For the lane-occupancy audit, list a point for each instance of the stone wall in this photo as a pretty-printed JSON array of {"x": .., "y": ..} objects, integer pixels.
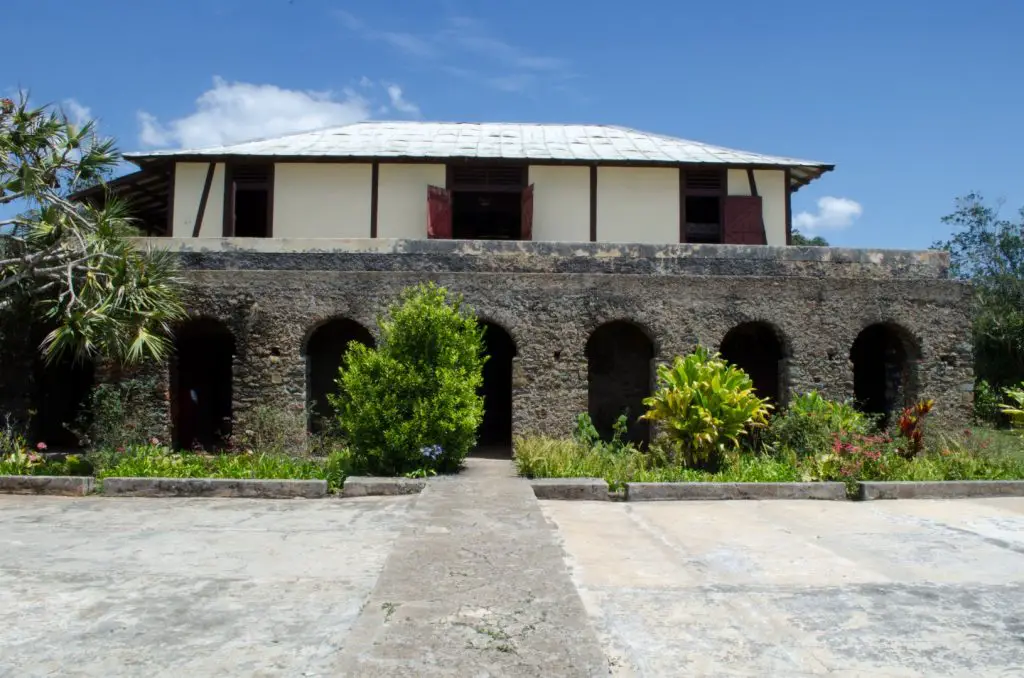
[{"x": 550, "y": 297}]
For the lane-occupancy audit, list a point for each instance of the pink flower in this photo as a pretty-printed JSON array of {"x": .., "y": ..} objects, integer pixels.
[
  {"x": 154, "y": 441},
  {"x": 40, "y": 446}
]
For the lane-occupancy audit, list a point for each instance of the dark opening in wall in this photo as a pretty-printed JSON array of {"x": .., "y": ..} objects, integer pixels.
[
  {"x": 486, "y": 216},
  {"x": 325, "y": 351},
  {"x": 201, "y": 384},
  {"x": 702, "y": 192},
  {"x": 755, "y": 348},
  {"x": 884, "y": 360},
  {"x": 248, "y": 207},
  {"x": 619, "y": 356},
  {"x": 496, "y": 428},
  {"x": 60, "y": 401}
]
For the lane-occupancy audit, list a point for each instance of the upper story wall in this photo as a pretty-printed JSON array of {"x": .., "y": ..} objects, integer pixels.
[{"x": 389, "y": 200}]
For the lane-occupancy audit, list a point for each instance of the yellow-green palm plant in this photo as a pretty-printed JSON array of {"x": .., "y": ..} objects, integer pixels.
[
  {"x": 705, "y": 406},
  {"x": 1015, "y": 409}
]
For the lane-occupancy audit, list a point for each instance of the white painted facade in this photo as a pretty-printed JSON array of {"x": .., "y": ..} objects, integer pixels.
[
  {"x": 637, "y": 204},
  {"x": 771, "y": 186},
  {"x": 322, "y": 200},
  {"x": 561, "y": 203},
  {"x": 402, "y": 198},
  {"x": 333, "y": 200},
  {"x": 189, "y": 179}
]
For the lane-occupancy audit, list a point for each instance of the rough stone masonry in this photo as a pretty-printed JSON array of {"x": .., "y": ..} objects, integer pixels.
[{"x": 551, "y": 298}]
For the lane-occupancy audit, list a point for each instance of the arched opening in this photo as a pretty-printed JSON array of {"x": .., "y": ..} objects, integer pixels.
[
  {"x": 60, "y": 400},
  {"x": 619, "y": 356},
  {"x": 756, "y": 349},
  {"x": 495, "y": 432},
  {"x": 200, "y": 378},
  {"x": 883, "y": 357},
  {"x": 325, "y": 351}
]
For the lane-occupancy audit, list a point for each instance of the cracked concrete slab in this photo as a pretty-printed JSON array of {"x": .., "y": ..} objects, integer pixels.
[{"x": 787, "y": 588}]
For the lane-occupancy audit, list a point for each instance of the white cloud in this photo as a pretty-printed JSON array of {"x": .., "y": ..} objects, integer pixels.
[
  {"x": 399, "y": 103},
  {"x": 833, "y": 214},
  {"x": 230, "y": 112},
  {"x": 76, "y": 112}
]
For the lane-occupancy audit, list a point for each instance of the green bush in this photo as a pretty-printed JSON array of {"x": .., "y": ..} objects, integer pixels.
[
  {"x": 986, "y": 404},
  {"x": 271, "y": 430},
  {"x": 587, "y": 435},
  {"x": 122, "y": 413},
  {"x": 1014, "y": 407},
  {"x": 705, "y": 406},
  {"x": 810, "y": 424},
  {"x": 417, "y": 390}
]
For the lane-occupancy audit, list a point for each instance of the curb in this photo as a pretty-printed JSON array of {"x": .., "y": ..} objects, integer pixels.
[
  {"x": 571, "y": 489},
  {"x": 214, "y": 487},
  {"x": 728, "y": 491},
  {"x": 940, "y": 489},
  {"x": 372, "y": 486},
  {"x": 68, "y": 486}
]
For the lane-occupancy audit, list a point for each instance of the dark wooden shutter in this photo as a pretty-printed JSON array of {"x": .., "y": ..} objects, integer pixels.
[
  {"x": 439, "y": 212},
  {"x": 742, "y": 221},
  {"x": 526, "y": 233}
]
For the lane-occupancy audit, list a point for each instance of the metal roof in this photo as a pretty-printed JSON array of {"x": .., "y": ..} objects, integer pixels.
[{"x": 493, "y": 141}]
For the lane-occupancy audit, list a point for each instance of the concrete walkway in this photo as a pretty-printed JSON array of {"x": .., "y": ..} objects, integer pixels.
[{"x": 475, "y": 586}]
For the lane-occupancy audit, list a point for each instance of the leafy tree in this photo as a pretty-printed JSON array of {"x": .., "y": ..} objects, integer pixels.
[
  {"x": 989, "y": 251},
  {"x": 67, "y": 264},
  {"x": 801, "y": 239}
]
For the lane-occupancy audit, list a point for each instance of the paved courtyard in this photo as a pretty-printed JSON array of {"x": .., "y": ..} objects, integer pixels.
[{"x": 476, "y": 578}]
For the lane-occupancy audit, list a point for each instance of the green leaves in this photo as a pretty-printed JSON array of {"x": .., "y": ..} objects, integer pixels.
[
  {"x": 417, "y": 389},
  {"x": 70, "y": 263},
  {"x": 705, "y": 406}
]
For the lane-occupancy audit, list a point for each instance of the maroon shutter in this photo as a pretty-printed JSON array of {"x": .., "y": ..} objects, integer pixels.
[
  {"x": 526, "y": 232},
  {"x": 439, "y": 212},
  {"x": 742, "y": 223}
]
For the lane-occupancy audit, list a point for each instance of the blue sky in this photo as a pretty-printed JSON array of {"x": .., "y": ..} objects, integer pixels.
[{"x": 916, "y": 103}]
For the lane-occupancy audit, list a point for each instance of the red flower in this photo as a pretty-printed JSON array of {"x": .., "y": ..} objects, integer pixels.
[{"x": 40, "y": 446}]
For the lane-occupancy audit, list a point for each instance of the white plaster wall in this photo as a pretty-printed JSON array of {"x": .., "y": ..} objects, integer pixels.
[
  {"x": 402, "y": 198},
  {"x": 561, "y": 203},
  {"x": 771, "y": 186},
  {"x": 189, "y": 178},
  {"x": 321, "y": 200},
  {"x": 637, "y": 204}
]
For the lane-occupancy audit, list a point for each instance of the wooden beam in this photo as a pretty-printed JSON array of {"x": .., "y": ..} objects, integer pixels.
[
  {"x": 752, "y": 182},
  {"x": 593, "y": 203},
  {"x": 789, "y": 210},
  {"x": 203, "y": 199},
  {"x": 374, "y": 197}
]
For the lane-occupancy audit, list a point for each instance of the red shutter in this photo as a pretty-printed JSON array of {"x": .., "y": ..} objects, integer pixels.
[
  {"x": 743, "y": 222},
  {"x": 526, "y": 232},
  {"x": 439, "y": 212}
]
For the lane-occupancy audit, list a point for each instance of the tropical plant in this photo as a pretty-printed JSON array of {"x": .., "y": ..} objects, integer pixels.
[
  {"x": 911, "y": 427},
  {"x": 810, "y": 423},
  {"x": 122, "y": 413},
  {"x": 415, "y": 390},
  {"x": 1014, "y": 409},
  {"x": 705, "y": 406},
  {"x": 587, "y": 435},
  {"x": 986, "y": 404},
  {"x": 68, "y": 265}
]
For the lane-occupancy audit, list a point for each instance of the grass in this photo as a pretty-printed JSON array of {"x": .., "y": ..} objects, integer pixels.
[
  {"x": 159, "y": 462},
  {"x": 982, "y": 454}
]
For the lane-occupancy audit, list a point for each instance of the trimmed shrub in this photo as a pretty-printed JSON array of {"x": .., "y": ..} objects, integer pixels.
[
  {"x": 417, "y": 390},
  {"x": 705, "y": 406}
]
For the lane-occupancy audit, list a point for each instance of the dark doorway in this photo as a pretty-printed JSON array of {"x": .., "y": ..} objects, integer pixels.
[
  {"x": 325, "y": 351},
  {"x": 478, "y": 215},
  {"x": 495, "y": 432},
  {"x": 201, "y": 388},
  {"x": 883, "y": 376},
  {"x": 60, "y": 401},
  {"x": 619, "y": 356},
  {"x": 756, "y": 349}
]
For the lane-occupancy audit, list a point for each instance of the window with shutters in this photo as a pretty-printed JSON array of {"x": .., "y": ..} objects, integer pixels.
[
  {"x": 702, "y": 193},
  {"x": 248, "y": 203},
  {"x": 490, "y": 202}
]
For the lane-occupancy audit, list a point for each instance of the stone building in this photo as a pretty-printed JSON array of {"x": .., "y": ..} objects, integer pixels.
[{"x": 592, "y": 253}]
